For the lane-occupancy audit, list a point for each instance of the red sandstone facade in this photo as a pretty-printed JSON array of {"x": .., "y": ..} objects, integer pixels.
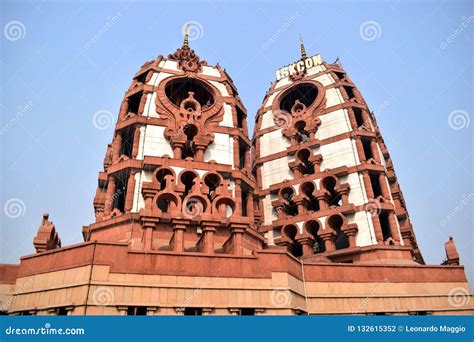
[{"x": 189, "y": 221}]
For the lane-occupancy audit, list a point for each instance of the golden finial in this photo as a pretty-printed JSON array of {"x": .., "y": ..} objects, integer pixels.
[
  {"x": 303, "y": 50},
  {"x": 186, "y": 41}
]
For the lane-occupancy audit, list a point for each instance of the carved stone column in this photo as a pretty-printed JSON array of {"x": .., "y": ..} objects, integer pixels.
[
  {"x": 367, "y": 184},
  {"x": 117, "y": 143},
  {"x": 136, "y": 141},
  {"x": 392, "y": 221},
  {"x": 179, "y": 227},
  {"x": 377, "y": 229},
  {"x": 109, "y": 202},
  {"x": 328, "y": 236},
  {"x": 130, "y": 191},
  {"x": 307, "y": 244}
]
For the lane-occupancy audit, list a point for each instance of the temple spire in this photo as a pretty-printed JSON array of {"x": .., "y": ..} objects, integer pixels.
[
  {"x": 303, "y": 50},
  {"x": 186, "y": 39}
]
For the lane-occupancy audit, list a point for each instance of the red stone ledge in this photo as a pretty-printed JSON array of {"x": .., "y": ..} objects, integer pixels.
[
  {"x": 8, "y": 273},
  {"x": 262, "y": 264}
]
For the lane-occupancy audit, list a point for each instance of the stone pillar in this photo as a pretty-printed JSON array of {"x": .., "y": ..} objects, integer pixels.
[
  {"x": 250, "y": 208},
  {"x": 116, "y": 146},
  {"x": 237, "y": 231},
  {"x": 238, "y": 198},
  {"x": 122, "y": 310},
  {"x": 375, "y": 150},
  {"x": 247, "y": 157},
  {"x": 177, "y": 150},
  {"x": 136, "y": 141},
  {"x": 199, "y": 155},
  {"x": 360, "y": 149},
  {"x": 377, "y": 229},
  {"x": 143, "y": 100},
  {"x": 179, "y": 227},
  {"x": 392, "y": 221},
  {"x": 207, "y": 311},
  {"x": 109, "y": 203},
  {"x": 179, "y": 311},
  {"x": 236, "y": 152},
  {"x": 307, "y": 245},
  {"x": 384, "y": 186},
  {"x": 368, "y": 184},
  {"x": 352, "y": 119},
  {"x": 351, "y": 231},
  {"x": 130, "y": 191},
  {"x": 209, "y": 228},
  {"x": 328, "y": 236}
]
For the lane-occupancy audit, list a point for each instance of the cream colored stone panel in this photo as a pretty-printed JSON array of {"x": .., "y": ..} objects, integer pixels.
[
  {"x": 275, "y": 171},
  {"x": 221, "y": 150},
  {"x": 268, "y": 213},
  {"x": 169, "y": 64},
  {"x": 339, "y": 153},
  {"x": 150, "y": 106},
  {"x": 271, "y": 98},
  {"x": 267, "y": 120},
  {"x": 158, "y": 77},
  {"x": 333, "y": 97},
  {"x": 153, "y": 143},
  {"x": 333, "y": 124},
  {"x": 220, "y": 87},
  {"x": 227, "y": 120},
  {"x": 210, "y": 71},
  {"x": 272, "y": 143}
]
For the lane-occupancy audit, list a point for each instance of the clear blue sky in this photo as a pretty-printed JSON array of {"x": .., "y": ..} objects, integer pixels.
[{"x": 414, "y": 71}]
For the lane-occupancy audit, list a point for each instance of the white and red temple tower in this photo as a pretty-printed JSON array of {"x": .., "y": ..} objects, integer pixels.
[
  {"x": 326, "y": 181},
  {"x": 193, "y": 218}
]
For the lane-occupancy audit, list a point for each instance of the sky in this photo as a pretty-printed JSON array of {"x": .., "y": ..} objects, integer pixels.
[{"x": 65, "y": 67}]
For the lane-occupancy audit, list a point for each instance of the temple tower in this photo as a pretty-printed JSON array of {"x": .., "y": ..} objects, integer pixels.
[
  {"x": 177, "y": 173},
  {"x": 327, "y": 187}
]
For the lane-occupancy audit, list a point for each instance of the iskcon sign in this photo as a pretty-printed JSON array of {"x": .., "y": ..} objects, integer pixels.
[{"x": 299, "y": 66}]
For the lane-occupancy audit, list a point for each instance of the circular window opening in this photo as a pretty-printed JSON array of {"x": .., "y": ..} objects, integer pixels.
[
  {"x": 179, "y": 89},
  {"x": 306, "y": 93}
]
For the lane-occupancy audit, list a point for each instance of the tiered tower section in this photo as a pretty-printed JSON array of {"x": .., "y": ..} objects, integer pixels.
[
  {"x": 177, "y": 174},
  {"x": 327, "y": 187}
]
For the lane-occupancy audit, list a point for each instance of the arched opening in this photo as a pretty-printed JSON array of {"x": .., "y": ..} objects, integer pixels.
[
  {"x": 178, "y": 89},
  {"x": 189, "y": 147},
  {"x": 187, "y": 179},
  {"x": 165, "y": 202},
  {"x": 312, "y": 227},
  {"x": 311, "y": 203},
  {"x": 212, "y": 181},
  {"x": 335, "y": 222},
  {"x": 303, "y": 156},
  {"x": 329, "y": 183},
  {"x": 290, "y": 232},
  {"x": 301, "y": 133},
  {"x": 289, "y": 206},
  {"x": 161, "y": 177},
  {"x": 306, "y": 93}
]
